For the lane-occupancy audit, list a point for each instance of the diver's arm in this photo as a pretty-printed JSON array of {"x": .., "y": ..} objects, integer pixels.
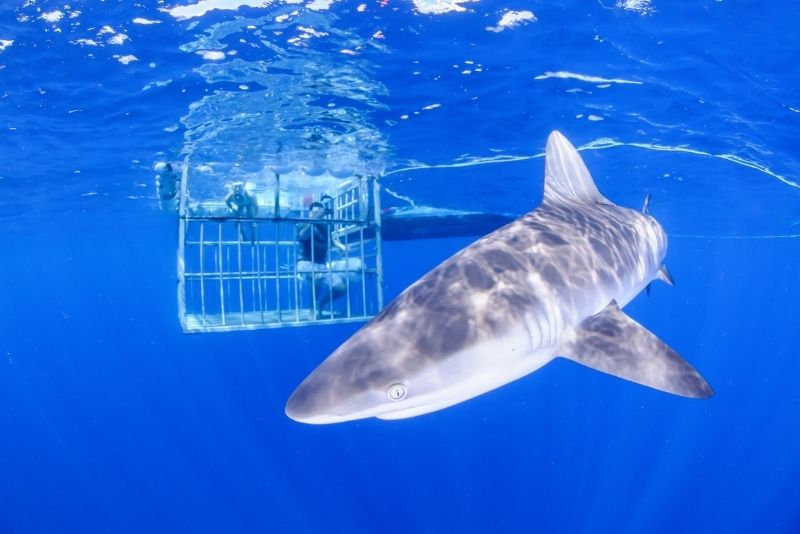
[
  {"x": 338, "y": 244},
  {"x": 303, "y": 232}
]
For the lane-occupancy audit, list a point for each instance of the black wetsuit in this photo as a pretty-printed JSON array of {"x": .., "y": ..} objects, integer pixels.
[{"x": 313, "y": 236}]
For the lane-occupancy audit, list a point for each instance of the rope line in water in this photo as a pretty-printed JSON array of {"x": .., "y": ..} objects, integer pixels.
[
  {"x": 605, "y": 143},
  {"x": 602, "y": 144},
  {"x": 400, "y": 197},
  {"x": 694, "y": 236}
]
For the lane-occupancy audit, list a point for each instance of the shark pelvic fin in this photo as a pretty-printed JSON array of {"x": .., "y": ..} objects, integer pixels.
[
  {"x": 566, "y": 177},
  {"x": 665, "y": 276},
  {"x": 614, "y": 343}
]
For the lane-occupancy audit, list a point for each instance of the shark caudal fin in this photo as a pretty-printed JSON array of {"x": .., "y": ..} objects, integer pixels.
[
  {"x": 566, "y": 177},
  {"x": 614, "y": 343}
]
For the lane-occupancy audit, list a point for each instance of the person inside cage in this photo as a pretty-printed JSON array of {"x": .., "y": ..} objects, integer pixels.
[
  {"x": 242, "y": 203},
  {"x": 314, "y": 240}
]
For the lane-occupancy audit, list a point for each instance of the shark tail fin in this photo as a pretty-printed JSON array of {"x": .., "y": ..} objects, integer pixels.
[
  {"x": 566, "y": 177},
  {"x": 614, "y": 343}
]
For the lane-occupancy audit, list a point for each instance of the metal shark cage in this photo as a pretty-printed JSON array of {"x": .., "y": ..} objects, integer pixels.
[{"x": 241, "y": 273}]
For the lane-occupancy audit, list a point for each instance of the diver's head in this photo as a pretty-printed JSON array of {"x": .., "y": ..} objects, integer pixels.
[
  {"x": 316, "y": 209},
  {"x": 327, "y": 203}
]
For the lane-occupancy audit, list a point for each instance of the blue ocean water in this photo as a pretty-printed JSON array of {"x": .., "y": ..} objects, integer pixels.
[{"x": 114, "y": 421}]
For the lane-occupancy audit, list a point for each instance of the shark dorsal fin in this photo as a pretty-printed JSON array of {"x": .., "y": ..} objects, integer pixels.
[{"x": 566, "y": 177}]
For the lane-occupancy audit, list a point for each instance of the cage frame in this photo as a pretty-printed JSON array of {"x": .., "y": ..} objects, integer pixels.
[{"x": 368, "y": 227}]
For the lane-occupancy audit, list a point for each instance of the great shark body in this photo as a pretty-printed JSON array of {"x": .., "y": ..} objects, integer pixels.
[{"x": 552, "y": 283}]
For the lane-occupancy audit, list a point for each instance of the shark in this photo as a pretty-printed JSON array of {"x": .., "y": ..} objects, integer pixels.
[{"x": 551, "y": 284}]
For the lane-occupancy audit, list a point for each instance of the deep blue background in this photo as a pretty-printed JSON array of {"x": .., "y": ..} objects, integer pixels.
[{"x": 111, "y": 420}]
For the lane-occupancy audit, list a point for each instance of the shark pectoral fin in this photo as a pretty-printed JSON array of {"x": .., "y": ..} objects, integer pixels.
[{"x": 614, "y": 343}]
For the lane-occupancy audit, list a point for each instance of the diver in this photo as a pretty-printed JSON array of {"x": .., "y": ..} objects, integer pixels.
[
  {"x": 313, "y": 238},
  {"x": 330, "y": 277},
  {"x": 167, "y": 185},
  {"x": 243, "y": 204}
]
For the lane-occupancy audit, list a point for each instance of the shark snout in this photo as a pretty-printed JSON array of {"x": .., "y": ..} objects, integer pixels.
[
  {"x": 323, "y": 399},
  {"x": 297, "y": 408},
  {"x": 306, "y": 404},
  {"x": 355, "y": 382}
]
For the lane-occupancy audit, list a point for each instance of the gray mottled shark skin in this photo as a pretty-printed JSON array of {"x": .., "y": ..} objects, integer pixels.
[{"x": 549, "y": 284}]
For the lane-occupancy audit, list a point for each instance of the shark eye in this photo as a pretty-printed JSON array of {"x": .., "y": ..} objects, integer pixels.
[{"x": 397, "y": 392}]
